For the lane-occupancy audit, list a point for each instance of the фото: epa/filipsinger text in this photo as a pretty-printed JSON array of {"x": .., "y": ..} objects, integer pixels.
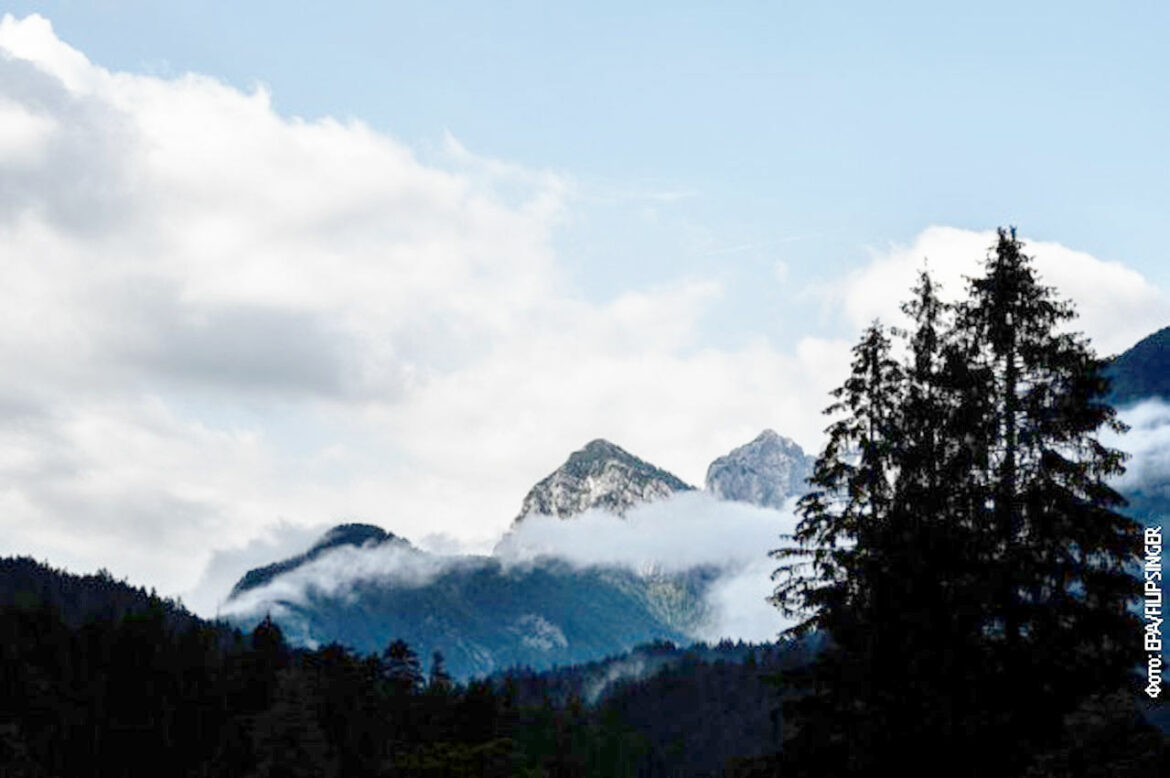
[{"x": 1152, "y": 611}]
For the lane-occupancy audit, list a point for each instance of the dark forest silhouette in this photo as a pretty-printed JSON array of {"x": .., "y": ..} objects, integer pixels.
[
  {"x": 961, "y": 544},
  {"x": 99, "y": 678}
]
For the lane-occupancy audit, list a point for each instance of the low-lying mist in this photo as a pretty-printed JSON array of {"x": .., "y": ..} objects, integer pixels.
[
  {"x": 683, "y": 532},
  {"x": 336, "y": 572},
  {"x": 687, "y": 530},
  {"x": 1148, "y": 444}
]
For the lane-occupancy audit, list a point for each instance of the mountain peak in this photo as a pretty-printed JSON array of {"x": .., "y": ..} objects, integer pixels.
[
  {"x": 357, "y": 535},
  {"x": 599, "y": 475},
  {"x": 602, "y": 446},
  {"x": 601, "y": 449},
  {"x": 765, "y": 472},
  {"x": 352, "y": 535}
]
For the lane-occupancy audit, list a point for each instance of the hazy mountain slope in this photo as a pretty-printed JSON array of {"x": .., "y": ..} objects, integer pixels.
[
  {"x": 1138, "y": 374},
  {"x": 484, "y": 616},
  {"x": 1142, "y": 372}
]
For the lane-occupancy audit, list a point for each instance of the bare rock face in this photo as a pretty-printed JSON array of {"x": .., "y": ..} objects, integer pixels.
[
  {"x": 601, "y": 475},
  {"x": 765, "y": 472}
]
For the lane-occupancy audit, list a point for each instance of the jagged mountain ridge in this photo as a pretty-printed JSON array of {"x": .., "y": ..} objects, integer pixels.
[
  {"x": 765, "y": 472},
  {"x": 600, "y": 475}
]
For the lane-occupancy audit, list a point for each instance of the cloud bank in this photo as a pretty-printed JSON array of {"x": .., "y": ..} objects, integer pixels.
[
  {"x": 1148, "y": 443},
  {"x": 686, "y": 530},
  {"x": 1099, "y": 289}
]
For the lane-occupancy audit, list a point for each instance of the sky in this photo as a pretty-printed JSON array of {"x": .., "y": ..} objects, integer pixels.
[{"x": 270, "y": 267}]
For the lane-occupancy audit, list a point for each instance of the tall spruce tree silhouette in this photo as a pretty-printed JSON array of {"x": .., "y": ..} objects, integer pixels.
[
  {"x": 402, "y": 668},
  {"x": 961, "y": 545},
  {"x": 1059, "y": 557}
]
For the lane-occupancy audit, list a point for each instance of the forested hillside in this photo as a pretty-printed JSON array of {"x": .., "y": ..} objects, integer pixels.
[
  {"x": 117, "y": 682},
  {"x": 129, "y": 685}
]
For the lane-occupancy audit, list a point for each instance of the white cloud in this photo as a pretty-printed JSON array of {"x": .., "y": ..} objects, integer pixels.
[
  {"x": 1099, "y": 289},
  {"x": 224, "y": 319},
  {"x": 1148, "y": 443},
  {"x": 23, "y": 134},
  {"x": 227, "y": 566},
  {"x": 333, "y": 574},
  {"x": 203, "y": 299},
  {"x": 687, "y": 530}
]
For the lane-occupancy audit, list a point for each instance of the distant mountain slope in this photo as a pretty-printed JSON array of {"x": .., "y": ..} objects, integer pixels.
[
  {"x": 488, "y": 613},
  {"x": 600, "y": 475},
  {"x": 342, "y": 535},
  {"x": 485, "y": 616},
  {"x": 1142, "y": 372},
  {"x": 765, "y": 472}
]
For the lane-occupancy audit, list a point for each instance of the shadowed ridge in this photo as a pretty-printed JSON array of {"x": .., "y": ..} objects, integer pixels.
[
  {"x": 1141, "y": 372},
  {"x": 356, "y": 535}
]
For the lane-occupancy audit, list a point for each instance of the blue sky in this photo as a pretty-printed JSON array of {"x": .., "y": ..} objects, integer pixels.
[
  {"x": 271, "y": 266},
  {"x": 800, "y": 131}
]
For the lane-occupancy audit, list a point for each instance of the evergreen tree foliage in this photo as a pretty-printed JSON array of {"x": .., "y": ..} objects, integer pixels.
[
  {"x": 140, "y": 695},
  {"x": 288, "y": 738},
  {"x": 961, "y": 545},
  {"x": 268, "y": 643},
  {"x": 439, "y": 680},
  {"x": 401, "y": 667}
]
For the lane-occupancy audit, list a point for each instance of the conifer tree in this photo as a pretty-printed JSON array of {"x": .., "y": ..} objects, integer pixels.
[
  {"x": 851, "y": 491},
  {"x": 1057, "y": 553},
  {"x": 834, "y": 575},
  {"x": 439, "y": 680},
  {"x": 961, "y": 546},
  {"x": 401, "y": 667}
]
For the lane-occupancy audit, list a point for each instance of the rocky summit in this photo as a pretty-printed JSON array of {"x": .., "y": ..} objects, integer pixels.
[
  {"x": 765, "y": 472},
  {"x": 601, "y": 475}
]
